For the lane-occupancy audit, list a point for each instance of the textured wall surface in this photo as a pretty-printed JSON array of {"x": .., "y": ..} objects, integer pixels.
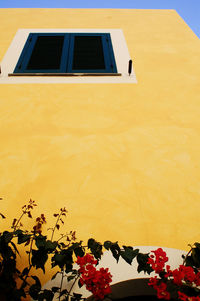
[{"x": 123, "y": 159}]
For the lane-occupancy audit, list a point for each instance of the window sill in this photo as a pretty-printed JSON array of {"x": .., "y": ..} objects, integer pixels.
[{"x": 64, "y": 74}]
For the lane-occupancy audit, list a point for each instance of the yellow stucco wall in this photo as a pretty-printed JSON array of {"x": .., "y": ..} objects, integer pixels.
[{"x": 124, "y": 159}]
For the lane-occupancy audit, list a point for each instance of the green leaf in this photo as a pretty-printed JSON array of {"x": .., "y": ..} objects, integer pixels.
[
  {"x": 91, "y": 242},
  {"x": 197, "y": 245},
  {"x": 63, "y": 259},
  {"x": 196, "y": 257},
  {"x": 58, "y": 259},
  {"x": 40, "y": 241},
  {"x": 79, "y": 252},
  {"x": 71, "y": 277},
  {"x": 7, "y": 236},
  {"x": 39, "y": 258},
  {"x": 115, "y": 249},
  {"x": 77, "y": 296},
  {"x": 25, "y": 271},
  {"x": 17, "y": 232},
  {"x": 50, "y": 246},
  {"x": 189, "y": 261},
  {"x": 61, "y": 245},
  {"x": 75, "y": 272},
  {"x": 34, "y": 291},
  {"x": 55, "y": 289},
  {"x": 129, "y": 254},
  {"x": 46, "y": 295},
  {"x": 68, "y": 266},
  {"x": 142, "y": 263},
  {"x": 107, "y": 244},
  {"x": 37, "y": 280},
  {"x": 23, "y": 238},
  {"x": 79, "y": 283},
  {"x": 14, "y": 246},
  {"x": 95, "y": 247},
  {"x": 63, "y": 292}
]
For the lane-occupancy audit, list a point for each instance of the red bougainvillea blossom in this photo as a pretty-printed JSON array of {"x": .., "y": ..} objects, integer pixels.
[
  {"x": 96, "y": 281},
  {"x": 161, "y": 288},
  {"x": 158, "y": 260},
  {"x": 184, "y": 297},
  {"x": 183, "y": 275}
]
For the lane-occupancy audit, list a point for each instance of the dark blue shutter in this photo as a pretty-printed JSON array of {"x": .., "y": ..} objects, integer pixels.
[
  {"x": 67, "y": 53},
  {"x": 44, "y": 53},
  {"x": 91, "y": 53}
]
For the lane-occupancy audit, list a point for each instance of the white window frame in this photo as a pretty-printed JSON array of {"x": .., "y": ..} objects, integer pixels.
[{"x": 120, "y": 49}]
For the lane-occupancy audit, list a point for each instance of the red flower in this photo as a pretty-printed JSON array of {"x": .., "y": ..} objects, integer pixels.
[
  {"x": 162, "y": 292},
  {"x": 178, "y": 276},
  {"x": 189, "y": 274},
  {"x": 86, "y": 259},
  {"x": 184, "y": 273},
  {"x": 168, "y": 271},
  {"x": 161, "y": 289},
  {"x": 158, "y": 260},
  {"x": 96, "y": 281},
  {"x": 184, "y": 297},
  {"x": 153, "y": 281}
]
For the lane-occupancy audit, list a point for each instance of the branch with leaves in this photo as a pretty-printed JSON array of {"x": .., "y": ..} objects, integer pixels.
[{"x": 64, "y": 252}]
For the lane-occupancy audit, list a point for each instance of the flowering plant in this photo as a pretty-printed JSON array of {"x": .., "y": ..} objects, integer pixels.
[
  {"x": 19, "y": 283},
  {"x": 96, "y": 281},
  {"x": 182, "y": 283}
]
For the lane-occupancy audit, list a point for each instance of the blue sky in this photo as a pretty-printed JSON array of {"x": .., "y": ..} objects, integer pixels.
[{"x": 189, "y": 10}]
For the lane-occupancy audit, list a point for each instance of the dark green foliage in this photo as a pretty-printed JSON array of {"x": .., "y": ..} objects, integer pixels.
[
  {"x": 143, "y": 266},
  {"x": 76, "y": 296},
  {"x": 40, "y": 241},
  {"x": 95, "y": 248},
  {"x": 116, "y": 251},
  {"x": 128, "y": 254},
  {"x": 193, "y": 257},
  {"x": 114, "y": 248},
  {"x": 35, "y": 288},
  {"x": 78, "y": 249},
  {"x": 107, "y": 244},
  {"x": 55, "y": 289},
  {"x": 23, "y": 238},
  {"x": 8, "y": 269},
  {"x": 45, "y": 295},
  {"x": 39, "y": 258},
  {"x": 63, "y": 260},
  {"x": 62, "y": 254}
]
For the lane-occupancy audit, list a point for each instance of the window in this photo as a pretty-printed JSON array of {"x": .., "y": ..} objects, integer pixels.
[
  {"x": 27, "y": 61},
  {"x": 67, "y": 53}
]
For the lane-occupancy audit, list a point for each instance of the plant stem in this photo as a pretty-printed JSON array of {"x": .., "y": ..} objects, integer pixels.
[
  {"x": 29, "y": 255},
  {"x": 55, "y": 226},
  {"x": 73, "y": 285},
  {"x": 24, "y": 280},
  {"x": 19, "y": 219},
  {"x": 187, "y": 255},
  {"x": 61, "y": 283}
]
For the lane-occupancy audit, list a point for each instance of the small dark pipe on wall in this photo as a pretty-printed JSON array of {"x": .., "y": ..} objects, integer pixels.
[{"x": 130, "y": 67}]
